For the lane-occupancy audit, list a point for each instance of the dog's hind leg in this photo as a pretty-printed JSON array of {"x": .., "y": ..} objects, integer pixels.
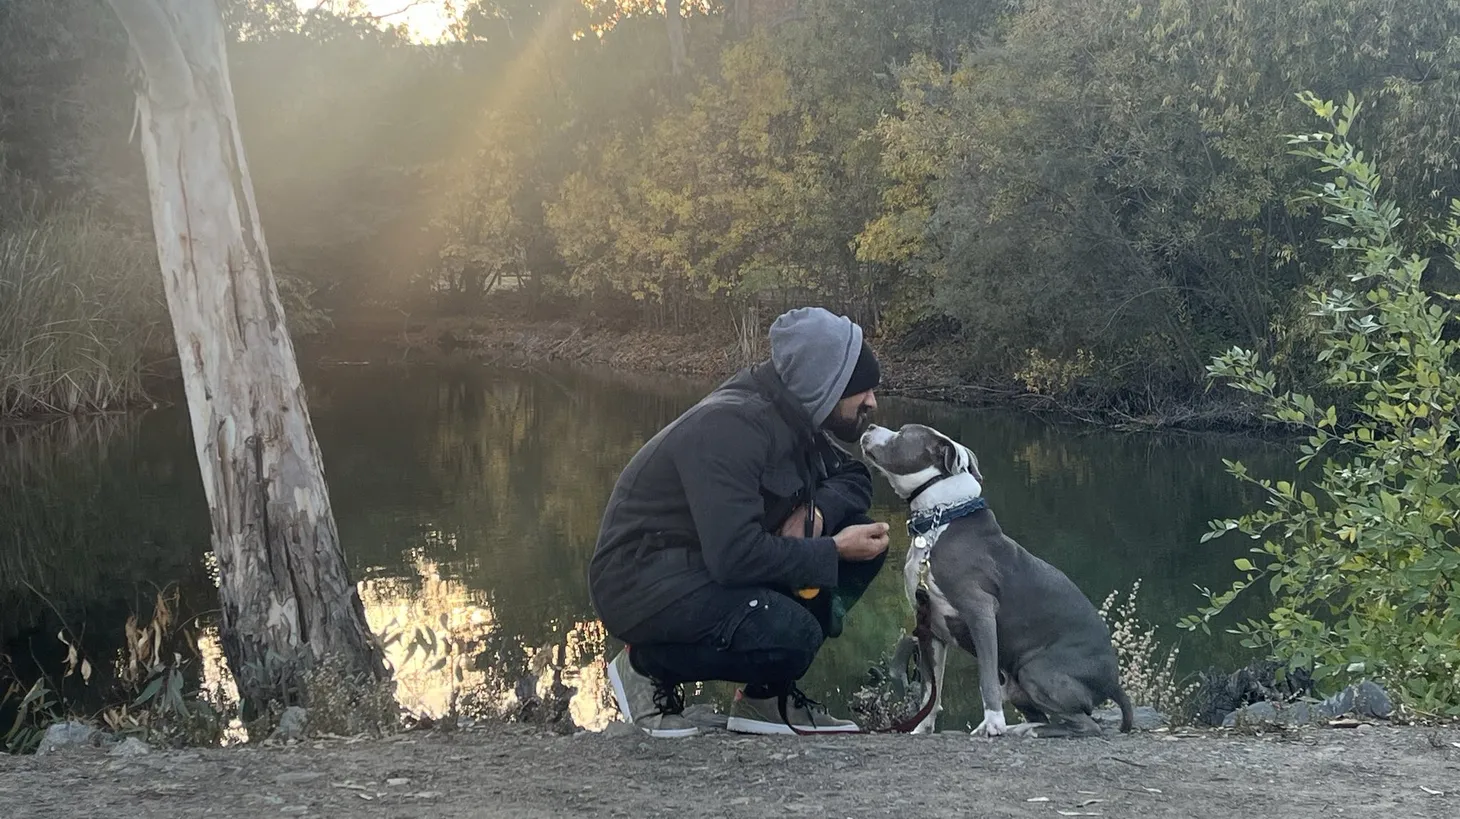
[
  {"x": 1069, "y": 725},
  {"x": 1019, "y": 698},
  {"x": 1066, "y": 700}
]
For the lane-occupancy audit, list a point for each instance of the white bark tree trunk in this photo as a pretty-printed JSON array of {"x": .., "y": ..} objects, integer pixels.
[
  {"x": 674, "y": 20},
  {"x": 287, "y": 599}
]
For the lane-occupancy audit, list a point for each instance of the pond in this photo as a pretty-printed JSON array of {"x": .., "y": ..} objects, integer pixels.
[{"x": 469, "y": 500}]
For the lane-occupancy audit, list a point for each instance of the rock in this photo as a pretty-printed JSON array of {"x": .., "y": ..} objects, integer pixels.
[
  {"x": 293, "y": 724},
  {"x": 1143, "y": 718},
  {"x": 65, "y": 735},
  {"x": 297, "y": 777},
  {"x": 131, "y": 746},
  {"x": 1258, "y": 713},
  {"x": 1370, "y": 700},
  {"x": 1297, "y": 714},
  {"x": 1338, "y": 704},
  {"x": 1366, "y": 699}
]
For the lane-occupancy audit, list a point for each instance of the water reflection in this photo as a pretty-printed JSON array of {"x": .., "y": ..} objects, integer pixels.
[{"x": 469, "y": 501}]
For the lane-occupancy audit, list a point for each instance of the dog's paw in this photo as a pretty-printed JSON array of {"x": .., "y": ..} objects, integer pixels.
[{"x": 993, "y": 724}]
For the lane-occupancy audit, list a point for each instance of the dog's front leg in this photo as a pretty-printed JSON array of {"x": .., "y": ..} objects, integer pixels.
[
  {"x": 939, "y": 650},
  {"x": 982, "y": 627}
]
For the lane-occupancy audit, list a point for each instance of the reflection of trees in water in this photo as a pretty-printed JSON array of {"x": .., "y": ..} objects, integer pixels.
[
  {"x": 95, "y": 516},
  {"x": 463, "y": 663}
]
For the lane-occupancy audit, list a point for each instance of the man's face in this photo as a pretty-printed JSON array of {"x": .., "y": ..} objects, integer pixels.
[{"x": 851, "y": 415}]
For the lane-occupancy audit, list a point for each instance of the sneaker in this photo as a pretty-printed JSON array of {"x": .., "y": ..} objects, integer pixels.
[
  {"x": 656, "y": 709},
  {"x": 793, "y": 713}
]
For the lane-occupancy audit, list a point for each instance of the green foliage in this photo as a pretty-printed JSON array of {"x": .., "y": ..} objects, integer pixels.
[
  {"x": 1363, "y": 567},
  {"x": 1087, "y": 197}
]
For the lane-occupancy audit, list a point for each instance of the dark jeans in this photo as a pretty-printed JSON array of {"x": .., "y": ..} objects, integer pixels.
[{"x": 756, "y": 636}]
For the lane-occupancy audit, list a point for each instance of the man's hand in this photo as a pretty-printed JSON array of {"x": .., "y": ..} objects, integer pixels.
[
  {"x": 862, "y": 542},
  {"x": 795, "y": 525}
]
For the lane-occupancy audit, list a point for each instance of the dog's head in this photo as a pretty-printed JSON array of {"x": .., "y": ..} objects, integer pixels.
[{"x": 915, "y": 455}]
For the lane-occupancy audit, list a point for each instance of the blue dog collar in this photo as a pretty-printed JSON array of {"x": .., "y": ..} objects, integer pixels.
[{"x": 921, "y": 523}]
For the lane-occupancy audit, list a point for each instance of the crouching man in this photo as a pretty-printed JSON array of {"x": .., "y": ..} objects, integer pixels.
[{"x": 737, "y": 538}]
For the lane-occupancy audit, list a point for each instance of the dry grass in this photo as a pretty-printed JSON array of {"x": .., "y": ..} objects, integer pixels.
[{"x": 80, "y": 308}]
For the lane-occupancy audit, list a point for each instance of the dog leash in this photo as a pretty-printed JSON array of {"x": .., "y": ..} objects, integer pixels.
[{"x": 924, "y": 634}]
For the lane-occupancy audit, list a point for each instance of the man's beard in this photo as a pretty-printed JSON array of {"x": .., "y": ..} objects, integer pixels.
[{"x": 848, "y": 428}]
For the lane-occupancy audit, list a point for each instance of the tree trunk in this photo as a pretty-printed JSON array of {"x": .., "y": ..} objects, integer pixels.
[
  {"x": 740, "y": 17},
  {"x": 674, "y": 20},
  {"x": 287, "y": 599}
]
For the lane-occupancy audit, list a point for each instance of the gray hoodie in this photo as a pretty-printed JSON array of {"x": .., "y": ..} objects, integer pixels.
[
  {"x": 691, "y": 507},
  {"x": 814, "y": 352}
]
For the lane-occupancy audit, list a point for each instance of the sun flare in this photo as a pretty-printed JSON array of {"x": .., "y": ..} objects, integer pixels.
[{"x": 428, "y": 20}]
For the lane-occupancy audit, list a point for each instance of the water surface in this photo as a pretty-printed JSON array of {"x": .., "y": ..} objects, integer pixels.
[{"x": 470, "y": 499}]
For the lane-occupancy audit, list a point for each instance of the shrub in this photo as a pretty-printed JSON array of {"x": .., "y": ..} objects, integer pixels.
[
  {"x": 1147, "y": 677},
  {"x": 1363, "y": 568}
]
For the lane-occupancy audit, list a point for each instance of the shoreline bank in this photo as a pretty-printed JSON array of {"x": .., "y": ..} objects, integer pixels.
[
  {"x": 519, "y": 771},
  {"x": 927, "y": 373}
]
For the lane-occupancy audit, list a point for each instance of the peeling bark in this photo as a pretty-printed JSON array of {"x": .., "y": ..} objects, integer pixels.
[{"x": 287, "y": 599}]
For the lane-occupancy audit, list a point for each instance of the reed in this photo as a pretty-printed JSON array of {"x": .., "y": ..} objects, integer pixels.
[{"x": 80, "y": 311}]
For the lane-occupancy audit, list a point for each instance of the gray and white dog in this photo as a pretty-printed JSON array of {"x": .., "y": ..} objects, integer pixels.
[{"x": 1039, "y": 641}]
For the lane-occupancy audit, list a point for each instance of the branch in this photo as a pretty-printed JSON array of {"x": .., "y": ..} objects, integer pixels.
[{"x": 169, "y": 79}]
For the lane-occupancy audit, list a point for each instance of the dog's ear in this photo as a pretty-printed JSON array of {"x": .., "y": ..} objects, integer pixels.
[
  {"x": 973, "y": 465},
  {"x": 953, "y": 460}
]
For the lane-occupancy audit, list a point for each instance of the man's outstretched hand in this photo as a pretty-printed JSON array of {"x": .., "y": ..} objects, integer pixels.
[{"x": 862, "y": 542}]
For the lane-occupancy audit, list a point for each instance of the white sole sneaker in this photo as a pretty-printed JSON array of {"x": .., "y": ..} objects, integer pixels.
[
  {"x": 748, "y": 725},
  {"x": 671, "y": 733},
  {"x": 621, "y": 697}
]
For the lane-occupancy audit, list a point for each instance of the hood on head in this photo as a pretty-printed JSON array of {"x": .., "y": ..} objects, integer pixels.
[{"x": 814, "y": 351}]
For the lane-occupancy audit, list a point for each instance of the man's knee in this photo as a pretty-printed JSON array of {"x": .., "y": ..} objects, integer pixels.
[{"x": 779, "y": 633}]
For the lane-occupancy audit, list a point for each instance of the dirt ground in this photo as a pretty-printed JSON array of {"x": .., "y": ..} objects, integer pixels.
[{"x": 505, "y": 772}]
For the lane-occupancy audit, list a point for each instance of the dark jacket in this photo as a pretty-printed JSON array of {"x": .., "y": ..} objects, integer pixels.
[{"x": 700, "y": 502}]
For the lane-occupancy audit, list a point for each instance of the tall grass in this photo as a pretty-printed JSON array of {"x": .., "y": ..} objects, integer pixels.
[{"x": 80, "y": 309}]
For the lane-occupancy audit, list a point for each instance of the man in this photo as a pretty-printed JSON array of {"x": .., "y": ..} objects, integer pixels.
[{"x": 737, "y": 537}]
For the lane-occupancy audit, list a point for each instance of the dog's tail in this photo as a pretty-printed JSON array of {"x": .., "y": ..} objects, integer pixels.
[{"x": 1126, "y": 715}]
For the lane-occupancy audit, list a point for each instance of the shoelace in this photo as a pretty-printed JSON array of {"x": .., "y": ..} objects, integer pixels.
[
  {"x": 799, "y": 699},
  {"x": 668, "y": 699}
]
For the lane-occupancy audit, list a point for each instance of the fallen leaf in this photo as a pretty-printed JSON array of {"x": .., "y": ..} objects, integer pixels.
[
  {"x": 1088, "y": 802},
  {"x": 1151, "y": 790},
  {"x": 400, "y": 780},
  {"x": 1037, "y": 799},
  {"x": 1456, "y": 744},
  {"x": 351, "y": 785},
  {"x": 367, "y": 797},
  {"x": 427, "y": 794},
  {"x": 1431, "y": 791},
  {"x": 1078, "y": 813}
]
